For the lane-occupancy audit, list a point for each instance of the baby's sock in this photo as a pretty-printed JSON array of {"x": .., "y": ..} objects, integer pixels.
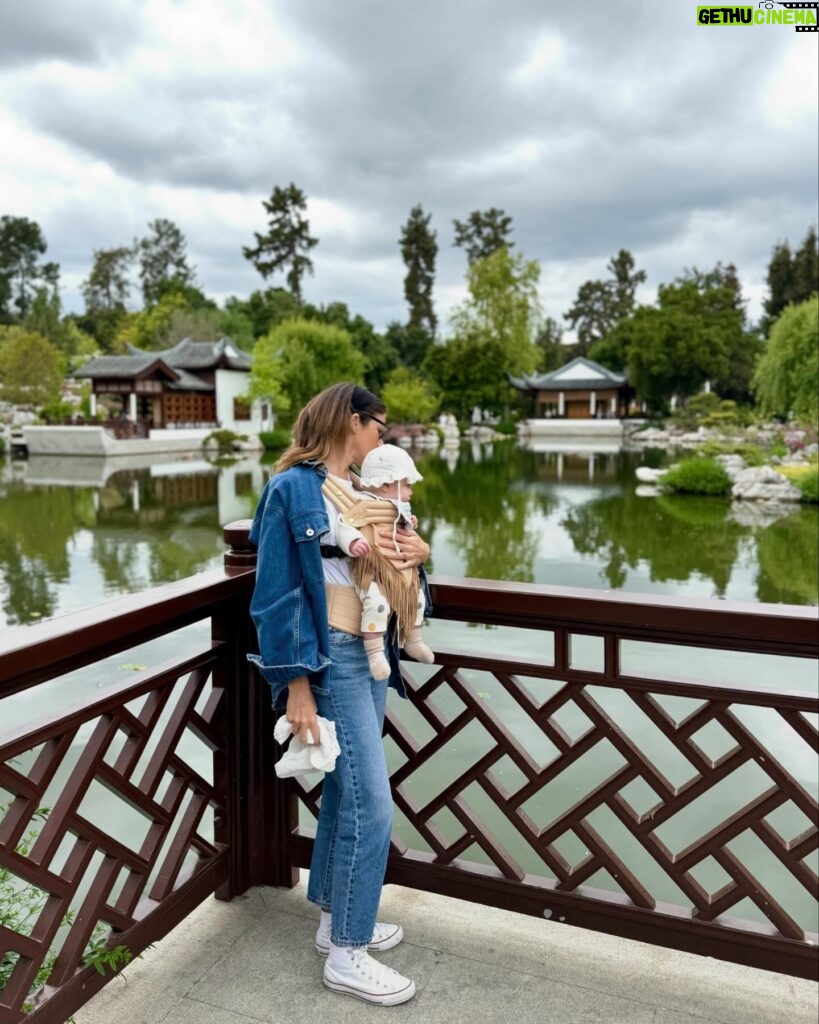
[
  {"x": 416, "y": 648},
  {"x": 379, "y": 666}
]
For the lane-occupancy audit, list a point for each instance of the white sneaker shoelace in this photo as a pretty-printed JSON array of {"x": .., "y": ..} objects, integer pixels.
[{"x": 359, "y": 974}]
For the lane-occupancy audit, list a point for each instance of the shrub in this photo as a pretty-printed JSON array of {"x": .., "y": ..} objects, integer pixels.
[
  {"x": 690, "y": 415},
  {"x": 805, "y": 478},
  {"x": 506, "y": 427},
  {"x": 698, "y": 475},
  {"x": 808, "y": 484},
  {"x": 752, "y": 453},
  {"x": 224, "y": 439},
  {"x": 275, "y": 439}
]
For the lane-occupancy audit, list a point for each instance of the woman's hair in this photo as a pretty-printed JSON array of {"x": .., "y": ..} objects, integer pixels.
[{"x": 323, "y": 425}]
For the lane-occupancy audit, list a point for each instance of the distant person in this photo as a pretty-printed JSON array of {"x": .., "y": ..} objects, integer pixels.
[
  {"x": 387, "y": 476},
  {"x": 307, "y": 616}
]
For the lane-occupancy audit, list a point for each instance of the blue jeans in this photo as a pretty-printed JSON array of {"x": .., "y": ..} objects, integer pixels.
[{"x": 355, "y": 821}]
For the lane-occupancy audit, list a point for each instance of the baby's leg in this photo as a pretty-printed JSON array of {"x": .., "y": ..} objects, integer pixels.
[
  {"x": 414, "y": 644},
  {"x": 375, "y": 613}
]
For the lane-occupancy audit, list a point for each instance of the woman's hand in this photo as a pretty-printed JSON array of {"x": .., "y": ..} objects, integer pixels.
[
  {"x": 412, "y": 550},
  {"x": 301, "y": 710}
]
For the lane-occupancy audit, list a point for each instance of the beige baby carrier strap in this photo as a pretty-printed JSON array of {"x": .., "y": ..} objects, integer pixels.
[{"x": 401, "y": 587}]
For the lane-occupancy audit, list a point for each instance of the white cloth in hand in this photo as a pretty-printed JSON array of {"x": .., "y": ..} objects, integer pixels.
[{"x": 306, "y": 757}]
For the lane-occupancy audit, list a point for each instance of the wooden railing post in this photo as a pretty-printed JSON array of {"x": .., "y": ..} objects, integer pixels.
[{"x": 261, "y": 812}]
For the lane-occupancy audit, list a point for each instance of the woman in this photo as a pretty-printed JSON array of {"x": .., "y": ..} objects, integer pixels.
[{"x": 320, "y": 669}]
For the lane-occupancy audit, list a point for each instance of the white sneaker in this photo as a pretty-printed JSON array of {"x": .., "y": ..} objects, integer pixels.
[
  {"x": 356, "y": 973},
  {"x": 385, "y": 936}
]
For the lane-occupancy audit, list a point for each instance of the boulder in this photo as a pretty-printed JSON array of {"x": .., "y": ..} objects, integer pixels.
[
  {"x": 646, "y": 475},
  {"x": 733, "y": 464},
  {"x": 762, "y": 483}
]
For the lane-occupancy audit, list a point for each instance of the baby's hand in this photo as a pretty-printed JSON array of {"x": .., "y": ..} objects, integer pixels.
[{"x": 359, "y": 547}]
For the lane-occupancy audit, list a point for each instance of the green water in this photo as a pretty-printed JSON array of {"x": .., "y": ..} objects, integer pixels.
[{"x": 73, "y": 532}]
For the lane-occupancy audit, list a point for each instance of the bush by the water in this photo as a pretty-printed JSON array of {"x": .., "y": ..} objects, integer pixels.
[
  {"x": 275, "y": 439},
  {"x": 751, "y": 453},
  {"x": 224, "y": 439},
  {"x": 805, "y": 478},
  {"x": 697, "y": 475}
]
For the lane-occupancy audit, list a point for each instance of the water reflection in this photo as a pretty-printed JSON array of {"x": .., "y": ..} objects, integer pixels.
[{"x": 74, "y": 531}]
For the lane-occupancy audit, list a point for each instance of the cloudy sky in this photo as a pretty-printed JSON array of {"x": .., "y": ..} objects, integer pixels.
[{"x": 595, "y": 125}]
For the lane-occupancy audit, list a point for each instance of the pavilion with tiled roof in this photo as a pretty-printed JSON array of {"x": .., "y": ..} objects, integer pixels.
[
  {"x": 582, "y": 389},
  {"x": 193, "y": 383}
]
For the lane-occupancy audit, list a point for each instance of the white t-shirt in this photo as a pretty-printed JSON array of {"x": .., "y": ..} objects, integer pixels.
[{"x": 336, "y": 570}]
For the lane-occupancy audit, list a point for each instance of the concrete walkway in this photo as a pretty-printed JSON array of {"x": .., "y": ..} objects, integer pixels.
[{"x": 252, "y": 961}]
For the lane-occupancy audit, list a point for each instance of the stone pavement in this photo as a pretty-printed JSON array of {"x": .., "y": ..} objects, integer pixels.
[{"x": 252, "y": 961}]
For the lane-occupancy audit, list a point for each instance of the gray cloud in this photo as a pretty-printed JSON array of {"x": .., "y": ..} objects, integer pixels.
[
  {"x": 81, "y": 32},
  {"x": 636, "y": 125}
]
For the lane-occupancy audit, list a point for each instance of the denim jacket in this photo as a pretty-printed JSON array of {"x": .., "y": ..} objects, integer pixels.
[{"x": 288, "y": 606}]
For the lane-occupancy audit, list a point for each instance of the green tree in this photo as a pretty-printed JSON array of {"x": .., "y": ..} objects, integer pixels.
[
  {"x": 31, "y": 368},
  {"x": 106, "y": 291},
  {"x": 419, "y": 250},
  {"x": 483, "y": 233},
  {"x": 21, "y": 245},
  {"x": 601, "y": 305},
  {"x": 806, "y": 268},
  {"x": 410, "y": 344},
  {"x": 502, "y": 308},
  {"x": 787, "y": 375},
  {"x": 549, "y": 342},
  {"x": 44, "y": 318},
  {"x": 196, "y": 324},
  {"x": 298, "y": 359},
  {"x": 468, "y": 374},
  {"x": 264, "y": 309},
  {"x": 792, "y": 277},
  {"x": 288, "y": 240},
  {"x": 150, "y": 329},
  {"x": 697, "y": 333},
  {"x": 163, "y": 258},
  {"x": 409, "y": 398},
  {"x": 380, "y": 357},
  {"x": 108, "y": 285}
]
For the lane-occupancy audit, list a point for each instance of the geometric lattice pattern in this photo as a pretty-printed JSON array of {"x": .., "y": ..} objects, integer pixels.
[
  {"x": 681, "y": 805},
  {"x": 132, "y": 742}
]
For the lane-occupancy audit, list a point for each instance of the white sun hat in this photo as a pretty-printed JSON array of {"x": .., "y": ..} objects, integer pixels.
[{"x": 386, "y": 464}]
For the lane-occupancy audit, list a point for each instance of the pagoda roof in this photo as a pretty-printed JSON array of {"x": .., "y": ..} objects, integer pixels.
[
  {"x": 579, "y": 374},
  {"x": 200, "y": 355}
]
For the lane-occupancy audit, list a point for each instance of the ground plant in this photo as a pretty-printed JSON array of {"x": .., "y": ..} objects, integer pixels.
[
  {"x": 805, "y": 479},
  {"x": 275, "y": 440},
  {"x": 225, "y": 439},
  {"x": 697, "y": 475},
  {"x": 20, "y": 908}
]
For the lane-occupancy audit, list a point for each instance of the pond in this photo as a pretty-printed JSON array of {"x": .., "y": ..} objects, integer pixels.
[{"x": 74, "y": 532}]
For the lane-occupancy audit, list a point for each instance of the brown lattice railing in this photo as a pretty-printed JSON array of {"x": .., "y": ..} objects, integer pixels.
[{"x": 178, "y": 756}]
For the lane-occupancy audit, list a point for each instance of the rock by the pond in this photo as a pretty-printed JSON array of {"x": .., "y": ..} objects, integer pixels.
[
  {"x": 762, "y": 483},
  {"x": 646, "y": 475},
  {"x": 733, "y": 464}
]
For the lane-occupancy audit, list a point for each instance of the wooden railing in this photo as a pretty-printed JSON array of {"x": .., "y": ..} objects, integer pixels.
[{"x": 133, "y": 737}]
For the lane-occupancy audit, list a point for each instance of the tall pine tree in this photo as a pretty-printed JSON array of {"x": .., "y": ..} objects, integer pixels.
[
  {"x": 419, "y": 249},
  {"x": 483, "y": 233},
  {"x": 287, "y": 242}
]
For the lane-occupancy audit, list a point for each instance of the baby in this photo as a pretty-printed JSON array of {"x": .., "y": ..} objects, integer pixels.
[{"x": 387, "y": 474}]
